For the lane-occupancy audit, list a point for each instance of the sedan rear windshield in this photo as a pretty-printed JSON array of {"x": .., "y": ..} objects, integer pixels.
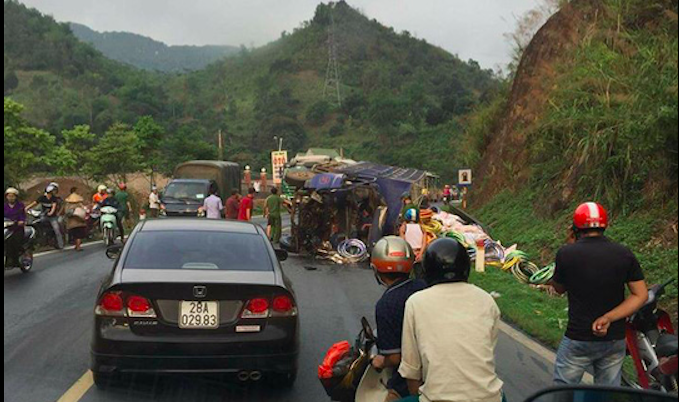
[{"x": 199, "y": 250}]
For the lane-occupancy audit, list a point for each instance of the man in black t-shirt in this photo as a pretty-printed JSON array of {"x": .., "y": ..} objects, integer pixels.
[{"x": 594, "y": 271}]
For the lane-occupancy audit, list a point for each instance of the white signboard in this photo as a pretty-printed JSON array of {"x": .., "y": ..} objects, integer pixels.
[
  {"x": 278, "y": 161},
  {"x": 465, "y": 177}
]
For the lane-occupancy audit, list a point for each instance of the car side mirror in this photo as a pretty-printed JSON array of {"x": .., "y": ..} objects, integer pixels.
[
  {"x": 281, "y": 255},
  {"x": 599, "y": 394},
  {"x": 113, "y": 252}
]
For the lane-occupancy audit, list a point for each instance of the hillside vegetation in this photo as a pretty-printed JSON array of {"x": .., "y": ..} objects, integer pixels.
[
  {"x": 148, "y": 54},
  {"x": 590, "y": 115},
  {"x": 395, "y": 89}
]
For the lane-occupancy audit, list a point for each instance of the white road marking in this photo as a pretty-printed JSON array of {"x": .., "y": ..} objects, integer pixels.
[
  {"x": 66, "y": 249},
  {"x": 79, "y": 389}
]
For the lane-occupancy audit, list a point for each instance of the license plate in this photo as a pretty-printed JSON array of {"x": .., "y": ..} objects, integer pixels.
[{"x": 199, "y": 315}]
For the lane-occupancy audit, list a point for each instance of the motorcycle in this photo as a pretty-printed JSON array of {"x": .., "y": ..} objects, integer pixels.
[
  {"x": 108, "y": 223},
  {"x": 652, "y": 344},
  {"x": 347, "y": 373},
  {"x": 45, "y": 236},
  {"x": 26, "y": 252}
]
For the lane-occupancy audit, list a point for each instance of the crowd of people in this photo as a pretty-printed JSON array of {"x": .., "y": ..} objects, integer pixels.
[
  {"x": 240, "y": 208},
  {"x": 438, "y": 354},
  {"x": 448, "y": 353}
]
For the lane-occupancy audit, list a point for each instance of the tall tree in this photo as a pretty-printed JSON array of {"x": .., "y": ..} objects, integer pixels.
[
  {"x": 117, "y": 153},
  {"x": 26, "y": 148}
]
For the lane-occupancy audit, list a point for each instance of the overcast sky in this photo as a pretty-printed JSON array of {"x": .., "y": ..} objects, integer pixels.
[{"x": 470, "y": 28}]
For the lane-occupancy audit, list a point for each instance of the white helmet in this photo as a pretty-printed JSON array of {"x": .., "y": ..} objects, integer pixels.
[
  {"x": 50, "y": 189},
  {"x": 12, "y": 190},
  {"x": 101, "y": 188}
]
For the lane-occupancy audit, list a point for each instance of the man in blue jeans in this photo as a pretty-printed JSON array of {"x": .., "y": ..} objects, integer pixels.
[{"x": 594, "y": 271}]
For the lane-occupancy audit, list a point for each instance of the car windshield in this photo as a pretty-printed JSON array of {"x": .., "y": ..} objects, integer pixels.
[
  {"x": 199, "y": 250},
  {"x": 186, "y": 191}
]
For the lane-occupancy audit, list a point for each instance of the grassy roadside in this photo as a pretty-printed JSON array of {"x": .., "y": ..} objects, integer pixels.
[{"x": 511, "y": 219}]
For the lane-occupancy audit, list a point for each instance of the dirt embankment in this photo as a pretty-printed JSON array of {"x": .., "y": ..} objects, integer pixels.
[
  {"x": 138, "y": 186},
  {"x": 506, "y": 162}
]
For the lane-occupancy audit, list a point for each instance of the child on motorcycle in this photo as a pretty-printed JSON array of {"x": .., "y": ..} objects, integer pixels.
[{"x": 392, "y": 261}]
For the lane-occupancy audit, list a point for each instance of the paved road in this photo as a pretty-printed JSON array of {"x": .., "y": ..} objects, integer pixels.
[{"x": 48, "y": 319}]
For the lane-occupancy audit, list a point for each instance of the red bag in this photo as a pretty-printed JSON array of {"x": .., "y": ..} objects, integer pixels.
[{"x": 336, "y": 353}]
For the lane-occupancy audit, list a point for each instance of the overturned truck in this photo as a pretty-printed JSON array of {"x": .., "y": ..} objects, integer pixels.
[{"x": 354, "y": 204}]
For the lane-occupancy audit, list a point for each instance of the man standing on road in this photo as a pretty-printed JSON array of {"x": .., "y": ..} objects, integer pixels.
[
  {"x": 594, "y": 271},
  {"x": 213, "y": 205},
  {"x": 154, "y": 202},
  {"x": 246, "y": 206},
  {"x": 450, "y": 332},
  {"x": 272, "y": 211},
  {"x": 233, "y": 205},
  {"x": 392, "y": 261},
  {"x": 123, "y": 198}
]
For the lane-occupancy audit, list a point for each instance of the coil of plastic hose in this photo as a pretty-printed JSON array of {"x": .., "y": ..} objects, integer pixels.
[
  {"x": 432, "y": 226},
  {"x": 459, "y": 237},
  {"x": 494, "y": 251},
  {"x": 543, "y": 276},
  {"x": 430, "y": 237},
  {"x": 353, "y": 250},
  {"x": 524, "y": 270}
]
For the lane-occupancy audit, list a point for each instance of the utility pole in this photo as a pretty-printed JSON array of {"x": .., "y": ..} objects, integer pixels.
[
  {"x": 221, "y": 145},
  {"x": 331, "y": 88}
]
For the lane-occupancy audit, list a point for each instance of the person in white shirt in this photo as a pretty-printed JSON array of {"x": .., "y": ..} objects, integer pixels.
[
  {"x": 450, "y": 333},
  {"x": 154, "y": 202},
  {"x": 213, "y": 205}
]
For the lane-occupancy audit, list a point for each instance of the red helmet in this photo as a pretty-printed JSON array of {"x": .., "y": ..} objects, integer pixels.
[{"x": 590, "y": 215}]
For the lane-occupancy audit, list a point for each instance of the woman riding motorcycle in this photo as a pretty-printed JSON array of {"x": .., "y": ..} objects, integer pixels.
[{"x": 14, "y": 211}]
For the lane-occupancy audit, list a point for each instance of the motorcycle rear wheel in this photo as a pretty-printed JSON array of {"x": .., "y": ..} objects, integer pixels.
[{"x": 26, "y": 263}]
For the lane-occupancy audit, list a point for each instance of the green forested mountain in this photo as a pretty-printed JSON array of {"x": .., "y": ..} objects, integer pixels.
[
  {"x": 395, "y": 89},
  {"x": 63, "y": 82},
  {"x": 148, "y": 54}
]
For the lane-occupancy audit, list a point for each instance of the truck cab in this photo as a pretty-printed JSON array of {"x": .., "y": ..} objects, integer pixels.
[
  {"x": 192, "y": 183},
  {"x": 183, "y": 197}
]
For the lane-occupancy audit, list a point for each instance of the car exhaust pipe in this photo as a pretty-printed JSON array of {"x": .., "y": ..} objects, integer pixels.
[
  {"x": 256, "y": 376},
  {"x": 243, "y": 376}
]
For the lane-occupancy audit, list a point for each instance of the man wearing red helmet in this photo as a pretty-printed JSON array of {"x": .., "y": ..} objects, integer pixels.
[
  {"x": 594, "y": 271},
  {"x": 392, "y": 260}
]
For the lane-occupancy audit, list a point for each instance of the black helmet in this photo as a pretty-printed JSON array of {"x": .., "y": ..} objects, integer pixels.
[{"x": 446, "y": 260}]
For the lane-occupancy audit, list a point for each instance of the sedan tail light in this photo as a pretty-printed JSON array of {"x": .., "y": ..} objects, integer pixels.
[
  {"x": 111, "y": 304},
  {"x": 118, "y": 304},
  {"x": 284, "y": 306},
  {"x": 138, "y": 306},
  {"x": 256, "y": 308}
]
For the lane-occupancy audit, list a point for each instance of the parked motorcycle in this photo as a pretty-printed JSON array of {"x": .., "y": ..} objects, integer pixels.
[
  {"x": 26, "y": 252},
  {"x": 108, "y": 223},
  {"x": 347, "y": 373},
  {"x": 652, "y": 344}
]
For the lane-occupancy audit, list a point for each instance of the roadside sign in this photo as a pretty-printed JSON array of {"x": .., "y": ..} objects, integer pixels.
[
  {"x": 278, "y": 161},
  {"x": 465, "y": 177}
]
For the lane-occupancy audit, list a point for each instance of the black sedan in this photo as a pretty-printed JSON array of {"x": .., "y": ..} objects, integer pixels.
[{"x": 196, "y": 296}]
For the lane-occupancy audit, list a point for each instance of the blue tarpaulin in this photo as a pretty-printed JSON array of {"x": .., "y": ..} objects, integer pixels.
[
  {"x": 392, "y": 182},
  {"x": 326, "y": 181}
]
